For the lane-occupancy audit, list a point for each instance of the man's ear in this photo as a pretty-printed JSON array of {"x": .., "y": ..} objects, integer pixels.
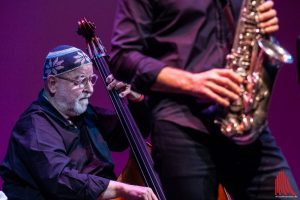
[{"x": 51, "y": 84}]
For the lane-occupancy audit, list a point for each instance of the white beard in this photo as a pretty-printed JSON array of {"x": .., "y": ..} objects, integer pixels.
[
  {"x": 75, "y": 108},
  {"x": 80, "y": 106}
]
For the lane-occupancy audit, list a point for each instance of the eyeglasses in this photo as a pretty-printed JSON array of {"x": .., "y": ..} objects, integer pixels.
[{"x": 83, "y": 81}]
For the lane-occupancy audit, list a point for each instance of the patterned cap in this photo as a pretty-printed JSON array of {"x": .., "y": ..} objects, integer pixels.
[{"x": 64, "y": 58}]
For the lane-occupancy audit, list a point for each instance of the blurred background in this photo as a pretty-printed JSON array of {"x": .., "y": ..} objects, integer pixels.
[{"x": 29, "y": 29}]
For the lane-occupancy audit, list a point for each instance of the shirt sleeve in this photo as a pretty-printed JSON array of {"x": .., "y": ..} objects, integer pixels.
[
  {"x": 114, "y": 134},
  {"x": 43, "y": 152},
  {"x": 110, "y": 126},
  {"x": 132, "y": 28}
]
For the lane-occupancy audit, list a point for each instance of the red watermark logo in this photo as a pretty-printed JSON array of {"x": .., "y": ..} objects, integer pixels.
[{"x": 283, "y": 188}]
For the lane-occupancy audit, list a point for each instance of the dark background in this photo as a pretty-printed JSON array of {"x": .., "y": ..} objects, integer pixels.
[{"x": 29, "y": 29}]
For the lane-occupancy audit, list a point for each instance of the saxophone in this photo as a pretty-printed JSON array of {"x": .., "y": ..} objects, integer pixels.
[{"x": 245, "y": 118}]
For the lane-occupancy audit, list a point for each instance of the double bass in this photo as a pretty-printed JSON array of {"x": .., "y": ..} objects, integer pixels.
[
  {"x": 139, "y": 150},
  {"x": 97, "y": 53}
]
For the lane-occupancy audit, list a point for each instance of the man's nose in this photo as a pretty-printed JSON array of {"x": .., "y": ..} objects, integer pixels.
[{"x": 89, "y": 87}]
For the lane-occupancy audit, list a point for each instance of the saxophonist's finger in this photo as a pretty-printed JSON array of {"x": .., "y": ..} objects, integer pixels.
[
  {"x": 265, "y": 16},
  {"x": 271, "y": 22},
  {"x": 217, "y": 98},
  {"x": 271, "y": 29},
  {"x": 222, "y": 91},
  {"x": 228, "y": 84},
  {"x": 265, "y": 6}
]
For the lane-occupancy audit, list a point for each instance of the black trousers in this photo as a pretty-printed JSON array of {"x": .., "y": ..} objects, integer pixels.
[{"x": 191, "y": 164}]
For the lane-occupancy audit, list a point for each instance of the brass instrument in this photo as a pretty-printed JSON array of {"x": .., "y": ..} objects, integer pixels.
[{"x": 245, "y": 118}]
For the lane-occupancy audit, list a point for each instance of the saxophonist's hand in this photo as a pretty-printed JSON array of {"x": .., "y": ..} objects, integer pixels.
[
  {"x": 216, "y": 85},
  {"x": 267, "y": 17}
]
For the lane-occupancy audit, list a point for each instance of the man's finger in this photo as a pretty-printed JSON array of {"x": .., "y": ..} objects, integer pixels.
[
  {"x": 262, "y": 17},
  {"x": 222, "y": 91},
  {"x": 109, "y": 78},
  {"x": 265, "y": 6},
  {"x": 111, "y": 85},
  {"x": 273, "y": 21},
  {"x": 271, "y": 29}
]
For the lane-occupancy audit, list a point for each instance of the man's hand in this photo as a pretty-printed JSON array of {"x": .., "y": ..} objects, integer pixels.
[
  {"x": 216, "y": 85},
  {"x": 124, "y": 89},
  {"x": 132, "y": 192},
  {"x": 267, "y": 17}
]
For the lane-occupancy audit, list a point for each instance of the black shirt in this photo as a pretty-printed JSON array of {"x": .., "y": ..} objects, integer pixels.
[
  {"x": 50, "y": 157},
  {"x": 192, "y": 35}
]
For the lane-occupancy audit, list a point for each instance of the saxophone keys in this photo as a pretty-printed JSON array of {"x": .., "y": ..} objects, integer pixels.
[
  {"x": 241, "y": 71},
  {"x": 247, "y": 122},
  {"x": 236, "y": 105},
  {"x": 229, "y": 127}
]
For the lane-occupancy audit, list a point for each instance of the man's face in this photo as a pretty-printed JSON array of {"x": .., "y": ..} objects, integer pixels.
[{"x": 70, "y": 98}]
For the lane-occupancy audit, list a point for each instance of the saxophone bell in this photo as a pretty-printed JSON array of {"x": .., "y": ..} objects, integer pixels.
[{"x": 275, "y": 51}]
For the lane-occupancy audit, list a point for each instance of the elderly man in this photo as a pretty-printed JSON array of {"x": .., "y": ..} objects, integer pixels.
[{"x": 59, "y": 148}]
